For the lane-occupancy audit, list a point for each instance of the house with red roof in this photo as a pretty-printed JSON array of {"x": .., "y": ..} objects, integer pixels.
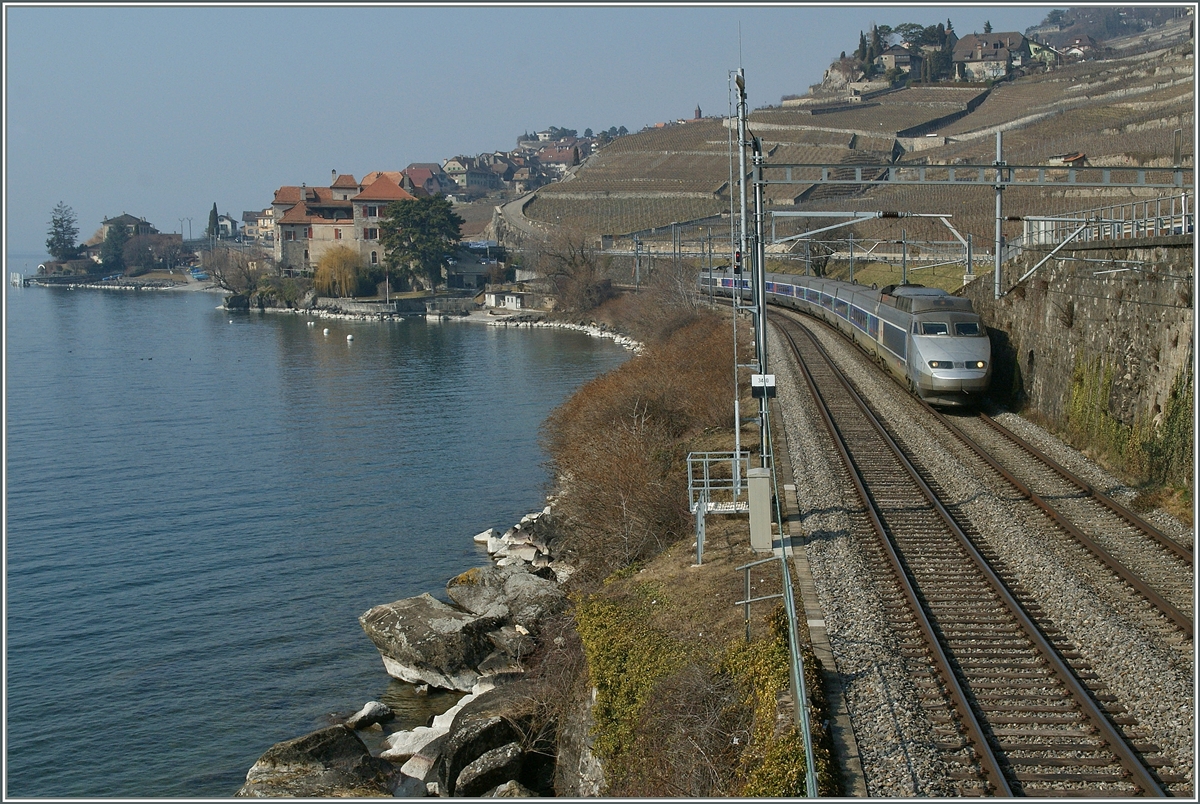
[
  {"x": 425, "y": 178},
  {"x": 311, "y": 220}
]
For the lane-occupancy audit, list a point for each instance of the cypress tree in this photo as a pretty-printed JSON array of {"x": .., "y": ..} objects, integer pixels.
[{"x": 212, "y": 221}]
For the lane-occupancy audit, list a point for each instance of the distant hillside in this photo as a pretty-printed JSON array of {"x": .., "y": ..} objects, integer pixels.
[
  {"x": 1121, "y": 111},
  {"x": 1061, "y": 27}
]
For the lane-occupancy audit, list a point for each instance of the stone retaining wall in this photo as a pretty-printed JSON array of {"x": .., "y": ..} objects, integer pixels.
[{"x": 1125, "y": 309}]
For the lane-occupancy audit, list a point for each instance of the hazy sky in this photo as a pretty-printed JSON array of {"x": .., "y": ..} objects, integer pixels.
[{"x": 161, "y": 111}]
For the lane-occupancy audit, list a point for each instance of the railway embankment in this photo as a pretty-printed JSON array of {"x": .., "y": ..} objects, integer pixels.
[{"x": 1097, "y": 346}]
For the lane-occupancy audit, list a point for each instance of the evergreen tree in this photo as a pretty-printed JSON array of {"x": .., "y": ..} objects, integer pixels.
[
  {"x": 213, "y": 226},
  {"x": 861, "y": 53},
  {"x": 987, "y": 27},
  {"x": 416, "y": 235},
  {"x": 112, "y": 253},
  {"x": 64, "y": 229}
]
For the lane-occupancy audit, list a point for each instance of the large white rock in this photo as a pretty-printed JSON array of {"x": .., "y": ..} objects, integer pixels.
[
  {"x": 482, "y": 538},
  {"x": 423, "y": 641},
  {"x": 403, "y": 744},
  {"x": 374, "y": 712}
]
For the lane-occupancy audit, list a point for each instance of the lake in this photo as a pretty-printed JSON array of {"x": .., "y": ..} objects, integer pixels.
[{"x": 200, "y": 505}]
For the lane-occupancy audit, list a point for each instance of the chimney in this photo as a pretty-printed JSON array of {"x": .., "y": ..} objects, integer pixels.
[{"x": 334, "y": 177}]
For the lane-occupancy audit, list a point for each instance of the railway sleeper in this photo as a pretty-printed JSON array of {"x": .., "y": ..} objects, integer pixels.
[
  {"x": 991, "y": 706},
  {"x": 1064, "y": 762},
  {"x": 1117, "y": 776},
  {"x": 1047, "y": 719},
  {"x": 1014, "y": 684},
  {"x": 1096, "y": 744}
]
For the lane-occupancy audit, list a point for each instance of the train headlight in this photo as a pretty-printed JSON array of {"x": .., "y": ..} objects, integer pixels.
[
  {"x": 977, "y": 364},
  {"x": 941, "y": 364}
]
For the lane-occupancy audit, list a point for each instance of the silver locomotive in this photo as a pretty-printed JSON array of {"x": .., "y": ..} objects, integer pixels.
[{"x": 933, "y": 342}]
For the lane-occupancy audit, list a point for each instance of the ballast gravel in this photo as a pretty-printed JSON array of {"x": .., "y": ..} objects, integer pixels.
[{"x": 1133, "y": 650}]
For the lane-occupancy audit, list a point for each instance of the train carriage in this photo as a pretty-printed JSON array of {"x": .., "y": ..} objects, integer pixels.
[{"x": 933, "y": 342}]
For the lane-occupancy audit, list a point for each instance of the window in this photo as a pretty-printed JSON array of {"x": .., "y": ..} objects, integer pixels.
[
  {"x": 966, "y": 328},
  {"x": 306, "y": 255},
  {"x": 934, "y": 328},
  {"x": 288, "y": 234},
  {"x": 370, "y": 234},
  {"x": 337, "y": 234},
  {"x": 310, "y": 233},
  {"x": 374, "y": 257},
  {"x": 372, "y": 212}
]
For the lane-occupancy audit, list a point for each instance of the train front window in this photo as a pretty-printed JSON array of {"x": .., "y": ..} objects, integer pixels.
[
  {"x": 966, "y": 328},
  {"x": 934, "y": 328}
]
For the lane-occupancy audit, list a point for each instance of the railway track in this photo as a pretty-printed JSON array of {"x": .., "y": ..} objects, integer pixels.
[
  {"x": 1156, "y": 566},
  {"x": 1006, "y": 695}
]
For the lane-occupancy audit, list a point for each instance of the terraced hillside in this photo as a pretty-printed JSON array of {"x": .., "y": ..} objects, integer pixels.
[{"x": 1121, "y": 112}]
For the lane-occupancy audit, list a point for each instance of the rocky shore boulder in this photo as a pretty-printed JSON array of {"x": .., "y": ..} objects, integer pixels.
[
  {"x": 424, "y": 641},
  {"x": 374, "y": 712},
  {"x": 330, "y": 762},
  {"x": 496, "y": 738},
  {"x": 511, "y": 594},
  {"x": 238, "y": 301}
]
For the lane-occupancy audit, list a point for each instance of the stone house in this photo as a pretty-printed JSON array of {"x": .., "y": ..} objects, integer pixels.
[
  {"x": 135, "y": 226},
  {"x": 425, "y": 178},
  {"x": 311, "y": 220},
  {"x": 984, "y": 57},
  {"x": 900, "y": 57}
]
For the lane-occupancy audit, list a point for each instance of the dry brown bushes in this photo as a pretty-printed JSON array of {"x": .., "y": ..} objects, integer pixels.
[{"x": 619, "y": 444}]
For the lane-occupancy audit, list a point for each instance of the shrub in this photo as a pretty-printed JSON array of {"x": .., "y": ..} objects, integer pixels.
[{"x": 618, "y": 446}]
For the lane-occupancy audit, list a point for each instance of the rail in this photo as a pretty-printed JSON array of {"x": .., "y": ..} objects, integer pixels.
[{"x": 997, "y": 772}]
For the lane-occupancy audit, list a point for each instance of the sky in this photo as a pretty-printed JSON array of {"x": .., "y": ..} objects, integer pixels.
[{"x": 161, "y": 111}]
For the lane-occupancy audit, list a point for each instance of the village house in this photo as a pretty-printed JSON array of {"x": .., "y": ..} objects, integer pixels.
[
  {"x": 1044, "y": 53},
  {"x": 311, "y": 220},
  {"x": 984, "y": 57},
  {"x": 1080, "y": 48},
  {"x": 425, "y": 178},
  {"x": 227, "y": 227},
  {"x": 249, "y": 226},
  {"x": 135, "y": 226},
  {"x": 900, "y": 57}
]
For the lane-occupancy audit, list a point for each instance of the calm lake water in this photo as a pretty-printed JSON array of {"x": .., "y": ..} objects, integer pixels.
[{"x": 200, "y": 505}]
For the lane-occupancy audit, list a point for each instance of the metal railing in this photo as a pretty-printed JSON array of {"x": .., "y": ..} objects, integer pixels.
[
  {"x": 715, "y": 484},
  {"x": 1149, "y": 217}
]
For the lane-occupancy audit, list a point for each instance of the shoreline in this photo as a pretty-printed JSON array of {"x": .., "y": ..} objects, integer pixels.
[
  {"x": 530, "y": 320},
  {"x": 521, "y": 320}
]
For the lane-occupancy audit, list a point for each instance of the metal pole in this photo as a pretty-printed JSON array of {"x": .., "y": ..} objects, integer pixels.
[
  {"x": 903, "y": 257},
  {"x": 999, "y": 212},
  {"x": 970, "y": 257},
  {"x": 760, "y": 300},
  {"x": 852, "y": 259},
  {"x": 741, "y": 86},
  {"x": 637, "y": 263}
]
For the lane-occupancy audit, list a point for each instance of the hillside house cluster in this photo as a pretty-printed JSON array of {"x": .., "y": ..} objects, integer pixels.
[
  {"x": 534, "y": 162},
  {"x": 985, "y": 57},
  {"x": 304, "y": 222}
]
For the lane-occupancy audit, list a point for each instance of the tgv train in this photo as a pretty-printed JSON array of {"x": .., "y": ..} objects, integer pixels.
[{"x": 933, "y": 342}]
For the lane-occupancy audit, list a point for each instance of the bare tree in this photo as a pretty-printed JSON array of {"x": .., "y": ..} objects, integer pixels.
[
  {"x": 235, "y": 271},
  {"x": 578, "y": 274}
]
